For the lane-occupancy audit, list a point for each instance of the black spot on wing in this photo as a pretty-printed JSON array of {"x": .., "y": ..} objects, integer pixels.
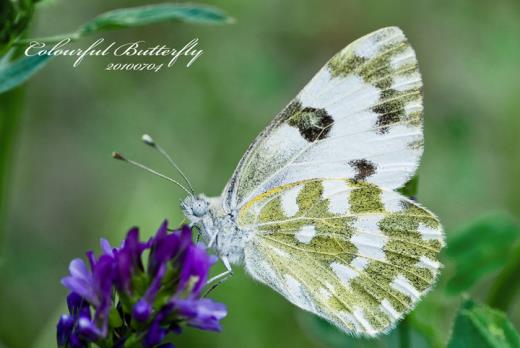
[
  {"x": 313, "y": 123},
  {"x": 389, "y": 109},
  {"x": 363, "y": 168}
]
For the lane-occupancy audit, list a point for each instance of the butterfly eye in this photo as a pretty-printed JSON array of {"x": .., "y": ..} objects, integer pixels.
[{"x": 199, "y": 208}]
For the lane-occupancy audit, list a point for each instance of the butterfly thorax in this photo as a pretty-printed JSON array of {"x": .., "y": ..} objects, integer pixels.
[{"x": 217, "y": 226}]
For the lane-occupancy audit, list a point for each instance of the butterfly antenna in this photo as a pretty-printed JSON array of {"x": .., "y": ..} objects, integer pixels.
[
  {"x": 120, "y": 157},
  {"x": 148, "y": 140}
]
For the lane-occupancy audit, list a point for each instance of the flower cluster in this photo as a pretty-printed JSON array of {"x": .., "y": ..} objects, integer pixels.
[{"x": 122, "y": 301}]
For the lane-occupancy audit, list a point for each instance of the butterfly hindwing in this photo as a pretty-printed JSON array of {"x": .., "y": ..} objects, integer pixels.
[
  {"x": 349, "y": 251},
  {"x": 359, "y": 118}
]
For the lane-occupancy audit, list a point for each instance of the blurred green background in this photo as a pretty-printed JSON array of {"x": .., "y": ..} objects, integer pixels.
[{"x": 65, "y": 191}]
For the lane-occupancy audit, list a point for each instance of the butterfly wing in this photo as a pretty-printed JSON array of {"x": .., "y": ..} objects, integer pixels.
[
  {"x": 360, "y": 117},
  {"x": 315, "y": 191},
  {"x": 351, "y": 252}
]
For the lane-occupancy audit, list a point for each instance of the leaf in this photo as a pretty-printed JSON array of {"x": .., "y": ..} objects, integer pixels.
[
  {"x": 506, "y": 285},
  {"x": 331, "y": 337},
  {"x": 478, "y": 326},
  {"x": 139, "y": 16},
  {"x": 483, "y": 247},
  {"x": 410, "y": 188},
  {"x": 17, "y": 73},
  {"x": 14, "y": 74},
  {"x": 428, "y": 318}
]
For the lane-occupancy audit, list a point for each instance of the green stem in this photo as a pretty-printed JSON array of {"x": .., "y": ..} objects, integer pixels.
[
  {"x": 10, "y": 112},
  {"x": 507, "y": 283},
  {"x": 404, "y": 334}
]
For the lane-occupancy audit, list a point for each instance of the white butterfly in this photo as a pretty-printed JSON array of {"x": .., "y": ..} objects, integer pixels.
[{"x": 312, "y": 211}]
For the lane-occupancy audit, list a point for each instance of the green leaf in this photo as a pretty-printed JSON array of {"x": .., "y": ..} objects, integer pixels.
[
  {"x": 478, "y": 326},
  {"x": 114, "y": 318},
  {"x": 506, "y": 285},
  {"x": 428, "y": 318},
  {"x": 139, "y": 16},
  {"x": 329, "y": 336},
  {"x": 410, "y": 188},
  {"x": 483, "y": 247},
  {"x": 14, "y": 74}
]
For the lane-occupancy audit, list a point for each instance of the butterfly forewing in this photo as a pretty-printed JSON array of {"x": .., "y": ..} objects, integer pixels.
[
  {"x": 360, "y": 117},
  {"x": 351, "y": 252}
]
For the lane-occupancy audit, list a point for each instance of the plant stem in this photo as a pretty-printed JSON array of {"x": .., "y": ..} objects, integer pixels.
[
  {"x": 404, "y": 334},
  {"x": 507, "y": 283},
  {"x": 10, "y": 112}
]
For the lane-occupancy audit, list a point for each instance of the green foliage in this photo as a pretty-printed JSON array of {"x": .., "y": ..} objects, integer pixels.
[
  {"x": 410, "y": 188},
  {"x": 67, "y": 193},
  {"x": 483, "y": 247},
  {"x": 9, "y": 118},
  {"x": 507, "y": 284},
  {"x": 139, "y": 16},
  {"x": 16, "y": 73},
  {"x": 329, "y": 336},
  {"x": 478, "y": 326},
  {"x": 15, "y": 17}
]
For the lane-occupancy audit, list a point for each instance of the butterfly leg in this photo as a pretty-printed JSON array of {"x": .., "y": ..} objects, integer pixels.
[
  {"x": 227, "y": 273},
  {"x": 212, "y": 240},
  {"x": 220, "y": 278}
]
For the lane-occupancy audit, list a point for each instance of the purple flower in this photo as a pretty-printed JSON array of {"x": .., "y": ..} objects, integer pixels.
[
  {"x": 127, "y": 260},
  {"x": 155, "y": 335},
  {"x": 161, "y": 298},
  {"x": 194, "y": 273},
  {"x": 69, "y": 334},
  {"x": 95, "y": 287},
  {"x": 204, "y": 314},
  {"x": 164, "y": 246},
  {"x": 81, "y": 281}
]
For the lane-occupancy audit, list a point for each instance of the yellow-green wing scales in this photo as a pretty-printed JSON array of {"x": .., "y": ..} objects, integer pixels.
[{"x": 350, "y": 252}]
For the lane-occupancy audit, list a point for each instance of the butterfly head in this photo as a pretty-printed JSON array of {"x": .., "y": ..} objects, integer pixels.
[{"x": 195, "y": 207}]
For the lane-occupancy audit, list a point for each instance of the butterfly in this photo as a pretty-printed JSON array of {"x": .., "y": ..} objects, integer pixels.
[{"x": 312, "y": 209}]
